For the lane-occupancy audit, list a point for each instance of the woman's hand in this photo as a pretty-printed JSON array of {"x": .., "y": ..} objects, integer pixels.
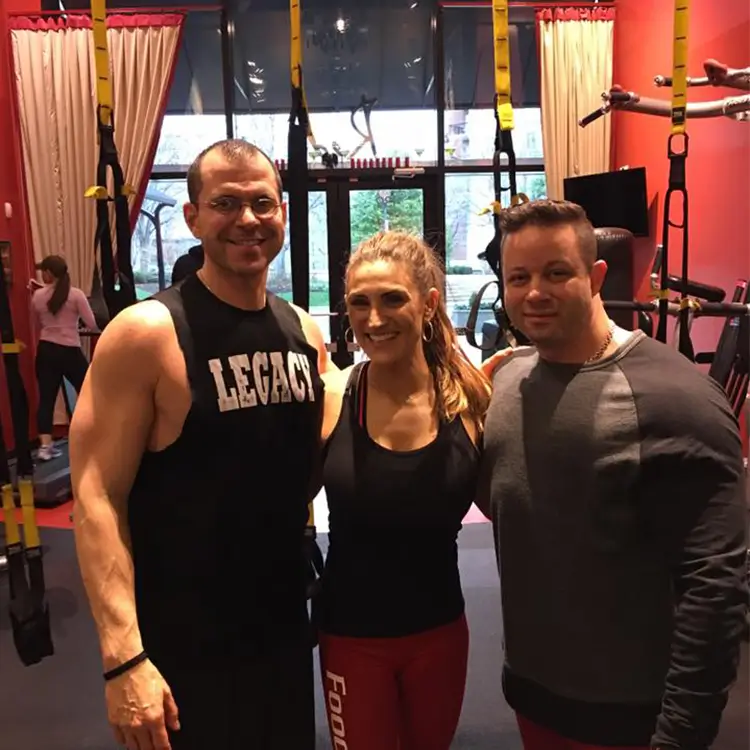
[{"x": 490, "y": 364}]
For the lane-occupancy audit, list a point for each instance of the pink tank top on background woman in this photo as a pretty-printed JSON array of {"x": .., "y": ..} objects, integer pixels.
[{"x": 62, "y": 328}]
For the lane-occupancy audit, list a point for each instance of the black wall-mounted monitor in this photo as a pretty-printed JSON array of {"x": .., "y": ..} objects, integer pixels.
[{"x": 612, "y": 199}]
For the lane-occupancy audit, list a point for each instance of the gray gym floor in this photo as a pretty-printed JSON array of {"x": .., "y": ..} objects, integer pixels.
[{"x": 58, "y": 704}]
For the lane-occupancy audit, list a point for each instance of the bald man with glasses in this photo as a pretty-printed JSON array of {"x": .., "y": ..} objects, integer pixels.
[{"x": 190, "y": 540}]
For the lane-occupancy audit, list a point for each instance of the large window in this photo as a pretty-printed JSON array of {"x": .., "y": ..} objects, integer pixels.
[{"x": 161, "y": 235}]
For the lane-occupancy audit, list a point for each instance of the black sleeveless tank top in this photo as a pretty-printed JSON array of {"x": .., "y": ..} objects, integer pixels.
[
  {"x": 392, "y": 567},
  {"x": 217, "y": 518}
]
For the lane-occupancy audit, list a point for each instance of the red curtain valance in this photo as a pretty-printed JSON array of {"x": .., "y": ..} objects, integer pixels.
[
  {"x": 575, "y": 14},
  {"x": 81, "y": 21}
]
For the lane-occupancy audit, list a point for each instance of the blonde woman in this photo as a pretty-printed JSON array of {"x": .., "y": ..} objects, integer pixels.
[{"x": 401, "y": 455}]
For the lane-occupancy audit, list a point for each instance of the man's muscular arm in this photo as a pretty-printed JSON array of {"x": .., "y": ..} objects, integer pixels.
[{"x": 108, "y": 435}]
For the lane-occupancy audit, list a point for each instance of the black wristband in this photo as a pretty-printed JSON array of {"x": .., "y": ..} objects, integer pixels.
[{"x": 128, "y": 665}]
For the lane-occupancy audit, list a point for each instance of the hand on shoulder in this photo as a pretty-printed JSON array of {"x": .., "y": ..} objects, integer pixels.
[{"x": 490, "y": 365}]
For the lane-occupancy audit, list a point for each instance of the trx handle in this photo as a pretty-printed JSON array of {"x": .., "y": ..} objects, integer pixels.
[
  {"x": 594, "y": 116},
  {"x": 29, "y": 613},
  {"x": 677, "y": 183},
  {"x": 118, "y": 283},
  {"x": 29, "y": 610}
]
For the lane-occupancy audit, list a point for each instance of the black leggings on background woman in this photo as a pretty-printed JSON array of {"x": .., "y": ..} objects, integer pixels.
[{"x": 53, "y": 363}]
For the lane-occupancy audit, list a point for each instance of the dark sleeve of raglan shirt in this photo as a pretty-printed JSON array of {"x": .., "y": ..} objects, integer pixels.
[{"x": 694, "y": 500}]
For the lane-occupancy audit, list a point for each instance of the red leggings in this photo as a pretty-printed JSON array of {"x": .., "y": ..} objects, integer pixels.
[
  {"x": 537, "y": 738},
  {"x": 395, "y": 693}
]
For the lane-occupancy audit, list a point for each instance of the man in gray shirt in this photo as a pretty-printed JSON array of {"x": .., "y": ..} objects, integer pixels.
[{"x": 613, "y": 476}]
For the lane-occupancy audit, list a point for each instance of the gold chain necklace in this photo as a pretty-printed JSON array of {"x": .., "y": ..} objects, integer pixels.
[{"x": 603, "y": 348}]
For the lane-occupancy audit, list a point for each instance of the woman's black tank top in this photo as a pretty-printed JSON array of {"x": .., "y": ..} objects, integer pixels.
[{"x": 392, "y": 567}]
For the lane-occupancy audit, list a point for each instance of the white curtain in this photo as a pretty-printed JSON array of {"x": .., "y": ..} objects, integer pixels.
[
  {"x": 576, "y": 67},
  {"x": 56, "y": 85}
]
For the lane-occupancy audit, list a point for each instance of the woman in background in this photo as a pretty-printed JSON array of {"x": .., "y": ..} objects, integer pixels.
[
  {"x": 57, "y": 307},
  {"x": 400, "y": 469}
]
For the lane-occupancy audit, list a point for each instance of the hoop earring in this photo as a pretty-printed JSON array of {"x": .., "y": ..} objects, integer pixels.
[
  {"x": 346, "y": 335},
  {"x": 425, "y": 337}
]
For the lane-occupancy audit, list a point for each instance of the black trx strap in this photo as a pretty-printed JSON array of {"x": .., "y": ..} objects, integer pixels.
[
  {"x": 29, "y": 613},
  {"x": 504, "y": 124},
  {"x": 297, "y": 177},
  {"x": 117, "y": 282},
  {"x": 677, "y": 185}
]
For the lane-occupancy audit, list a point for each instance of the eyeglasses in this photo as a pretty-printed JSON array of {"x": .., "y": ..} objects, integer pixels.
[{"x": 229, "y": 205}]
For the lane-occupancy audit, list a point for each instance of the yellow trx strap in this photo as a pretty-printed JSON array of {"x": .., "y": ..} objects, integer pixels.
[
  {"x": 295, "y": 18},
  {"x": 504, "y": 119},
  {"x": 502, "y": 64},
  {"x": 677, "y": 178},
  {"x": 295, "y": 21},
  {"x": 117, "y": 281},
  {"x": 101, "y": 62},
  {"x": 12, "y": 532},
  {"x": 679, "y": 66},
  {"x": 504, "y": 124}
]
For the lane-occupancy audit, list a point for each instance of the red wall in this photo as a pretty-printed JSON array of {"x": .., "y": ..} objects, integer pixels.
[
  {"x": 15, "y": 229},
  {"x": 718, "y": 162}
]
